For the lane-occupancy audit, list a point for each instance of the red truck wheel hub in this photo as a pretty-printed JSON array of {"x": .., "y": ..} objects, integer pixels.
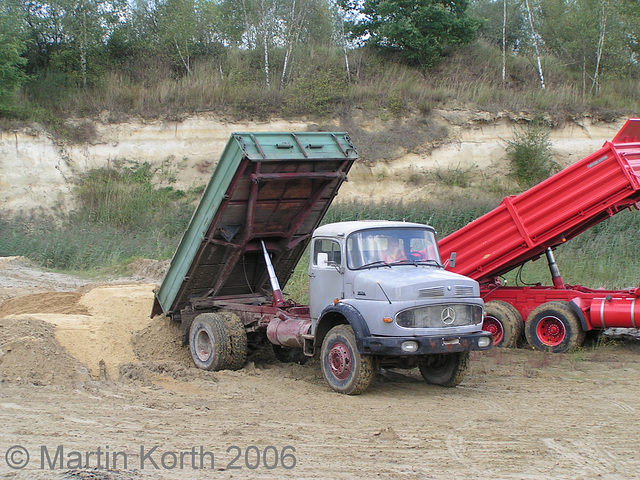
[
  {"x": 204, "y": 346},
  {"x": 551, "y": 331},
  {"x": 494, "y": 327},
  {"x": 340, "y": 361}
]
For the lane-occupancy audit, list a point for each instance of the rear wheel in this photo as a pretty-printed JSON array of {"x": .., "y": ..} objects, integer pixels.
[
  {"x": 344, "y": 369},
  {"x": 444, "y": 369},
  {"x": 555, "y": 327},
  {"x": 209, "y": 342},
  {"x": 504, "y": 322},
  {"x": 237, "y": 341}
]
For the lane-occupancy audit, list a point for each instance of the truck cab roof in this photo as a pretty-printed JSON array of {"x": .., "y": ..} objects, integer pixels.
[{"x": 343, "y": 229}]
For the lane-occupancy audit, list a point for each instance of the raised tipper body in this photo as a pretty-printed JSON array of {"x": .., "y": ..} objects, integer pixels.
[{"x": 534, "y": 223}]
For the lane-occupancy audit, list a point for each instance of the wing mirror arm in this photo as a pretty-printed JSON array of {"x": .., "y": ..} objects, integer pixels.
[{"x": 451, "y": 262}]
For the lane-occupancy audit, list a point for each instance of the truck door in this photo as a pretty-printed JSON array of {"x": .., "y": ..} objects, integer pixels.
[{"x": 325, "y": 274}]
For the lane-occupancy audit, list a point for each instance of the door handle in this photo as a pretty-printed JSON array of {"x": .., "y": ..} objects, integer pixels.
[{"x": 312, "y": 275}]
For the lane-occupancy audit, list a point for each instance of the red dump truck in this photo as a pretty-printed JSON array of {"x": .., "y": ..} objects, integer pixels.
[{"x": 532, "y": 224}]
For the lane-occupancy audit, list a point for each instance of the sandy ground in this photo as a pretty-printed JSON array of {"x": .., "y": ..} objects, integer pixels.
[{"x": 84, "y": 372}]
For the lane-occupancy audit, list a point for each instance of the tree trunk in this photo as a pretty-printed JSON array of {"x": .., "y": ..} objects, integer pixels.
[
  {"x": 534, "y": 35},
  {"x": 504, "y": 44},
  {"x": 603, "y": 28},
  {"x": 83, "y": 48},
  {"x": 289, "y": 45},
  {"x": 266, "y": 58}
]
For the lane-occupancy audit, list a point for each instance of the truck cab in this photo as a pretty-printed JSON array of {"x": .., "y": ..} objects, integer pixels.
[{"x": 379, "y": 295}]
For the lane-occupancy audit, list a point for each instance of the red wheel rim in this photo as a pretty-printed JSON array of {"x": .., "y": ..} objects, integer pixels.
[
  {"x": 340, "y": 362},
  {"x": 203, "y": 346},
  {"x": 493, "y": 326},
  {"x": 551, "y": 331}
]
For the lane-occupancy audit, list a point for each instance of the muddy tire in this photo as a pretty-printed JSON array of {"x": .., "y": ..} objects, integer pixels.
[
  {"x": 444, "y": 369},
  {"x": 554, "y": 327},
  {"x": 289, "y": 354},
  {"x": 237, "y": 341},
  {"x": 504, "y": 322},
  {"x": 345, "y": 370},
  {"x": 209, "y": 342}
]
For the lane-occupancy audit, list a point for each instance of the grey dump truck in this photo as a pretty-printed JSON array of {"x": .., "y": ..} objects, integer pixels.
[{"x": 379, "y": 295}]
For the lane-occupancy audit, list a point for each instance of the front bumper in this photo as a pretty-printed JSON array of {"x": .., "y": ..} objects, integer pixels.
[{"x": 392, "y": 346}]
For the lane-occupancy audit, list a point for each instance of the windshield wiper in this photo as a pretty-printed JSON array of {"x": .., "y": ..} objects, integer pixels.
[
  {"x": 373, "y": 264},
  {"x": 416, "y": 262}
]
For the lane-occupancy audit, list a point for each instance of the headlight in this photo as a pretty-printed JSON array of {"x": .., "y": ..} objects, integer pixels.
[{"x": 409, "y": 346}]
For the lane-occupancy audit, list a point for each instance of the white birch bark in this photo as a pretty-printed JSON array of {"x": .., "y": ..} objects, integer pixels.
[{"x": 534, "y": 36}]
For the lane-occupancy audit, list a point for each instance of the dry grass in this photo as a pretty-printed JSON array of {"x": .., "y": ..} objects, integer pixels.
[{"x": 234, "y": 86}]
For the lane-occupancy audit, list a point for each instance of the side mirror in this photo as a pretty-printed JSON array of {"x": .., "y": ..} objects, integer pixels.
[
  {"x": 451, "y": 262},
  {"x": 323, "y": 260}
]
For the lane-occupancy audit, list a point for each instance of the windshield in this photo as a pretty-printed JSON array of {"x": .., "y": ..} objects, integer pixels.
[{"x": 386, "y": 246}]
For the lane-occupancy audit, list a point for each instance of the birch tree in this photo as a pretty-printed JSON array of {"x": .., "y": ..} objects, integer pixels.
[{"x": 535, "y": 38}]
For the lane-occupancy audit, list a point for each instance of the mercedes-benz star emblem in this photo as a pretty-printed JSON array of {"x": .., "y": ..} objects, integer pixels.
[{"x": 448, "y": 315}]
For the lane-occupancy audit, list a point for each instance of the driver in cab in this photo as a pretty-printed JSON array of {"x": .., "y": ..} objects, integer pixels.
[{"x": 394, "y": 251}]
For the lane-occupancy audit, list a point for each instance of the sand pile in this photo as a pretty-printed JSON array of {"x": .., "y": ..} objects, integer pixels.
[
  {"x": 30, "y": 353},
  {"x": 52, "y": 335}
]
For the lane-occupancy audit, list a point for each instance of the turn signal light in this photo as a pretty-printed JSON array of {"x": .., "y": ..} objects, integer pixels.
[{"x": 387, "y": 320}]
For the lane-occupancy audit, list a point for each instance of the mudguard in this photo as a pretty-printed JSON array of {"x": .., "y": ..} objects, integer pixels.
[{"x": 353, "y": 317}]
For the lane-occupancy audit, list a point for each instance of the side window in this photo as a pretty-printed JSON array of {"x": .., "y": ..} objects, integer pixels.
[{"x": 326, "y": 253}]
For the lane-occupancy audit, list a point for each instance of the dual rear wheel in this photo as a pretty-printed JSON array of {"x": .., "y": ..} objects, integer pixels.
[
  {"x": 552, "y": 326},
  {"x": 504, "y": 322},
  {"x": 218, "y": 341}
]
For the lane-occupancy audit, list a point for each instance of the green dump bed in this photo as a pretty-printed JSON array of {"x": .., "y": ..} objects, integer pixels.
[{"x": 274, "y": 187}]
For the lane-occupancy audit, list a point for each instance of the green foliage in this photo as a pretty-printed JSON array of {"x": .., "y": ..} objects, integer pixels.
[
  {"x": 419, "y": 30},
  {"x": 126, "y": 198},
  {"x": 178, "y": 57},
  {"x": 454, "y": 176},
  {"x": 319, "y": 92},
  {"x": 11, "y": 48},
  {"x": 120, "y": 216},
  {"x": 530, "y": 155}
]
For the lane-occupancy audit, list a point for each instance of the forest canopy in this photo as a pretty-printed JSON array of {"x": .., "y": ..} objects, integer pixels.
[{"x": 297, "y": 57}]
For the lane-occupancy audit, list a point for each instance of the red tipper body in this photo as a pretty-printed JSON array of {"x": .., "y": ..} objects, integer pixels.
[{"x": 528, "y": 225}]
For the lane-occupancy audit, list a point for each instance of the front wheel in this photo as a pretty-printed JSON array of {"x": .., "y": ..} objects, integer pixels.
[
  {"x": 554, "y": 326},
  {"x": 444, "y": 369},
  {"x": 344, "y": 369}
]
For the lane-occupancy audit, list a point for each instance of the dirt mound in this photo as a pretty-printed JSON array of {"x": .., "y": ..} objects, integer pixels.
[
  {"x": 67, "y": 303},
  {"x": 167, "y": 374},
  {"x": 30, "y": 353},
  {"x": 160, "y": 341},
  {"x": 95, "y": 327}
]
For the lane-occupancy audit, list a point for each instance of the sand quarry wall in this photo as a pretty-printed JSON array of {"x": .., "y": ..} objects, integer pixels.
[{"x": 38, "y": 171}]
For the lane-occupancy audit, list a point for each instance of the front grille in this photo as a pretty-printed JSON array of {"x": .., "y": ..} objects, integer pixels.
[
  {"x": 463, "y": 291},
  {"x": 440, "y": 316},
  {"x": 431, "y": 292}
]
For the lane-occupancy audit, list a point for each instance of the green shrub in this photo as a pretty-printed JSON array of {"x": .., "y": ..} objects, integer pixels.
[
  {"x": 120, "y": 216},
  {"x": 530, "y": 155},
  {"x": 319, "y": 92}
]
